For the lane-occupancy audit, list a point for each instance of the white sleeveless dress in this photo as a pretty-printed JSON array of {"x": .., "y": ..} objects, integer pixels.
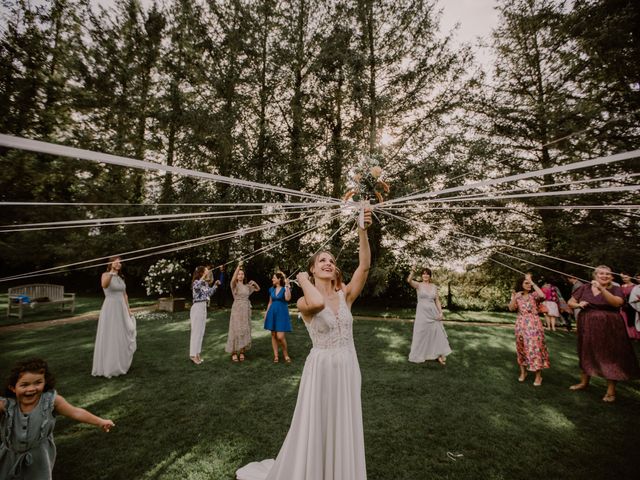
[
  {"x": 429, "y": 337},
  {"x": 326, "y": 439},
  {"x": 116, "y": 335}
]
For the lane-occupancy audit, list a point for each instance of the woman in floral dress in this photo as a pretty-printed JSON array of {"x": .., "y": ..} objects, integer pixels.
[{"x": 531, "y": 348}]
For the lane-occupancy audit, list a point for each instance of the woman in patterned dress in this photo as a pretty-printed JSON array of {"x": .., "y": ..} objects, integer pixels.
[
  {"x": 239, "y": 339},
  {"x": 531, "y": 348},
  {"x": 604, "y": 348},
  {"x": 202, "y": 291}
]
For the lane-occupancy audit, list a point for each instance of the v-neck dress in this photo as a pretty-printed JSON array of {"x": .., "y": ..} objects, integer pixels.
[{"x": 277, "y": 318}]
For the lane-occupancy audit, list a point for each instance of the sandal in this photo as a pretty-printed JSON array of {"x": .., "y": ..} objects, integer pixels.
[
  {"x": 242, "y": 357},
  {"x": 276, "y": 360},
  {"x": 234, "y": 357},
  {"x": 287, "y": 359},
  {"x": 195, "y": 361},
  {"x": 442, "y": 360},
  {"x": 608, "y": 398},
  {"x": 537, "y": 384}
]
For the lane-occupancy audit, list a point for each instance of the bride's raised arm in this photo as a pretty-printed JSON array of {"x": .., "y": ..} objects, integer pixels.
[{"x": 355, "y": 286}]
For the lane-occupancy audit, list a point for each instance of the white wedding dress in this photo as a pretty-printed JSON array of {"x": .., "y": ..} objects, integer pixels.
[{"x": 325, "y": 440}]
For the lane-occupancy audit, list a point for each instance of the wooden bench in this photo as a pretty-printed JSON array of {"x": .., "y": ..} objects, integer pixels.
[{"x": 39, "y": 295}]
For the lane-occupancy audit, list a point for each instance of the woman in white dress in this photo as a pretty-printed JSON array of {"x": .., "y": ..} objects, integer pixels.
[
  {"x": 429, "y": 337},
  {"x": 116, "y": 336},
  {"x": 325, "y": 439}
]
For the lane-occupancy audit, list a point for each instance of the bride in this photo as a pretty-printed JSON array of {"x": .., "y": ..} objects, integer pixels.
[{"x": 325, "y": 440}]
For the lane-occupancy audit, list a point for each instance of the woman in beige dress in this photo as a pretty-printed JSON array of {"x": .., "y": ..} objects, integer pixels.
[
  {"x": 429, "y": 340},
  {"x": 239, "y": 339}
]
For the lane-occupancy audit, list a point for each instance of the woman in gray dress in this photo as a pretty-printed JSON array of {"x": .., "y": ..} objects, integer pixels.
[
  {"x": 116, "y": 336},
  {"x": 429, "y": 338}
]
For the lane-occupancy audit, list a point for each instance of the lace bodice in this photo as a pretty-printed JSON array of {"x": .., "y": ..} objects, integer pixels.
[{"x": 328, "y": 330}]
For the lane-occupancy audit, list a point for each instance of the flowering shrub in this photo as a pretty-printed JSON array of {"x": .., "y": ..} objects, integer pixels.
[{"x": 165, "y": 276}]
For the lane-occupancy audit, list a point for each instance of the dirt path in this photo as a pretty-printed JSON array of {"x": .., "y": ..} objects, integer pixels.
[
  {"x": 64, "y": 321},
  {"x": 94, "y": 316},
  {"x": 446, "y": 322}
]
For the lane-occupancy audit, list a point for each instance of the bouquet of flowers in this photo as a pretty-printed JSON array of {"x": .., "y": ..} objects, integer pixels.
[
  {"x": 165, "y": 276},
  {"x": 366, "y": 182}
]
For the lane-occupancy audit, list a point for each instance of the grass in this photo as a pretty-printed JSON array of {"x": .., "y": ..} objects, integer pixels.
[{"x": 176, "y": 420}]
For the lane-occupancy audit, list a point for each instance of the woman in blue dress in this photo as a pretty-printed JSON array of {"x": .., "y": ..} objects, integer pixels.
[{"x": 277, "y": 317}]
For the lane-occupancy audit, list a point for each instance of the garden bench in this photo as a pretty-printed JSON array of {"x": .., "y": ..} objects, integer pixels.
[{"x": 37, "y": 295}]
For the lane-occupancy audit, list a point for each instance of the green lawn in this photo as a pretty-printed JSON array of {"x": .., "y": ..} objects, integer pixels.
[{"x": 176, "y": 420}]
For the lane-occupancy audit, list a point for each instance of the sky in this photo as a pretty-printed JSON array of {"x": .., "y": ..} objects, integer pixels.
[{"x": 476, "y": 18}]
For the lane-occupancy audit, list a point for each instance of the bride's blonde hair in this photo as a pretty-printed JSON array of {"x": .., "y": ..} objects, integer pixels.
[{"x": 337, "y": 281}]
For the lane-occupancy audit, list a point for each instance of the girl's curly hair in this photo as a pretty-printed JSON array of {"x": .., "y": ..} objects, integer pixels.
[{"x": 32, "y": 365}]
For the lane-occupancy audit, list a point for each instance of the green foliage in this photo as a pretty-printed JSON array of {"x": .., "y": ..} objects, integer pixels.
[
  {"x": 165, "y": 276},
  {"x": 292, "y": 93}
]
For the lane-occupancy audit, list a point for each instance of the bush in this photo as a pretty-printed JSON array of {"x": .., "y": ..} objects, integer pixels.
[{"x": 165, "y": 276}]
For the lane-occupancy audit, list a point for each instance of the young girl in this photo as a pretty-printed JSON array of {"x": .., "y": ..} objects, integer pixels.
[
  {"x": 277, "y": 317},
  {"x": 27, "y": 418},
  {"x": 325, "y": 439},
  {"x": 551, "y": 302},
  {"x": 198, "y": 313}
]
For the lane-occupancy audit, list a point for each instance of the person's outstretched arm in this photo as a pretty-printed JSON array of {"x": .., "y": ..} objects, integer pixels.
[
  {"x": 234, "y": 278},
  {"x": 80, "y": 414},
  {"x": 359, "y": 278},
  {"x": 410, "y": 279}
]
